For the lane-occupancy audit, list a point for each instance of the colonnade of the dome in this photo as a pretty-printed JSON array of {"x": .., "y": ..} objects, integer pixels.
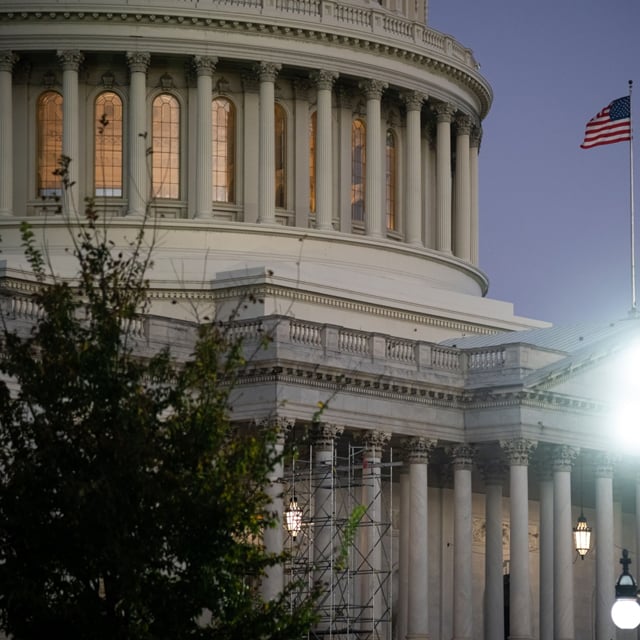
[{"x": 419, "y": 157}]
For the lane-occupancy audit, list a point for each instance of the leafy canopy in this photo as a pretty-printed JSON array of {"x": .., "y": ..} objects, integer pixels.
[{"x": 130, "y": 507}]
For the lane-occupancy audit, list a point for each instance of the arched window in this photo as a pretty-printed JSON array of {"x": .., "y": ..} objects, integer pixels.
[
  {"x": 223, "y": 134},
  {"x": 391, "y": 176},
  {"x": 49, "y": 127},
  {"x": 358, "y": 169},
  {"x": 313, "y": 128},
  {"x": 165, "y": 146},
  {"x": 281, "y": 150},
  {"x": 108, "y": 145}
]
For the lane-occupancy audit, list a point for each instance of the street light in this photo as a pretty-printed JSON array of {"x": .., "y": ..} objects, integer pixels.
[{"x": 625, "y": 612}]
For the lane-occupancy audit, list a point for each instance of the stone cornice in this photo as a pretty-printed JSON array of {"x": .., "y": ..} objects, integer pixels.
[{"x": 420, "y": 46}]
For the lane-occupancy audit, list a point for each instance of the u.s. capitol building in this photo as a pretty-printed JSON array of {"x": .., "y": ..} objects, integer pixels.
[{"x": 320, "y": 158}]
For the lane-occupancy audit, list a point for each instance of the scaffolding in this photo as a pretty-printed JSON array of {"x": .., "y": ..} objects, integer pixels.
[{"x": 345, "y": 542}]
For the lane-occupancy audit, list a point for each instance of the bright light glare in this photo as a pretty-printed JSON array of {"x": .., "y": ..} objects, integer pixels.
[
  {"x": 626, "y": 398},
  {"x": 625, "y": 613}
]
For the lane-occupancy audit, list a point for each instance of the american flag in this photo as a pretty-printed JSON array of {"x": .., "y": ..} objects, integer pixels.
[{"x": 612, "y": 124}]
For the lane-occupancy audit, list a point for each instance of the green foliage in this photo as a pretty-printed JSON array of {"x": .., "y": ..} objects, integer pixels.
[{"x": 130, "y": 508}]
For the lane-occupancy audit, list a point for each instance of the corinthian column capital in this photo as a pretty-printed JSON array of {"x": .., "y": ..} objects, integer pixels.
[
  {"x": 464, "y": 124},
  {"x": 323, "y": 434},
  {"x": 323, "y": 78},
  {"x": 418, "y": 450},
  {"x": 518, "y": 450},
  {"x": 476, "y": 136},
  {"x": 205, "y": 65},
  {"x": 267, "y": 71},
  {"x": 8, "y": 60},
  {"x": 413, "y": 100},
  {"x": 375, "y": 441},
  {"x": 373, "y": 89},
  {"x": 138, "y": 61},
  {"x": 71, "y": 59},
  {"x": 563, "y": 457},
  {"x": 444, "y": 112},
  {"x": 462, "y": 456}
]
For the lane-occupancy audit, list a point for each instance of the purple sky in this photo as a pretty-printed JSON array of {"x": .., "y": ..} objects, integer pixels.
[{"x": 554, "y": 218}]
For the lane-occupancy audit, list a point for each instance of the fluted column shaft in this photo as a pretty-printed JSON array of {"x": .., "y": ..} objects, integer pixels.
[
  {"x": 71, "y": 61},
  {"x": 403, "y": 552},
  {"x": 374, "y": 212},
  {"x": 273, "y": 582},
  {"x": 463, "y": 189},
  {"x": 545, "y": 488},
  {"x": 474, "y": 151},
  {"x": 267, "y": 73},
  {"x": 518, "y": 452},
  {"x": 462, "y": 456},
  {"x": 371, "y": 600},
  {"x": 205, "y": 66},
  {"x": 138, "y": 134},
  {"x": 563, "y": 619},
  {"x": 428, "y": 189},
  {"x": 7, "y": 61},
  {"x": 444, "y": 115},
  {"x": 494, "y": 589},
  {"x": 324, "y": 137},
  {"x": 605, "y": 562},
  {"x": 413, "y": 171},
  {"x": 418, "y": 452}
]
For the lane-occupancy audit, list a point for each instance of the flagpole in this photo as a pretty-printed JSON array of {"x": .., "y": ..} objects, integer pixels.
[{"x": 634, "y": 310}]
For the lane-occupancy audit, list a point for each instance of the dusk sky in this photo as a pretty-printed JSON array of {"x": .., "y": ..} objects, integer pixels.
[{"x": 554, "y": 218}]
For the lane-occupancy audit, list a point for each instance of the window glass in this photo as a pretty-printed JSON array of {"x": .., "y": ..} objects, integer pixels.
[
  {"x": 108, "y": 145},
  {"x": 313, "y": 123},
  {"x": 358, "y": 170},
  {"x": 390, "y": 181},
  {"x": 223, "y": 149},
  {"x": 165, "y": 146},
  {"x": 280, "y": 150},
  {"x": 49, "y": 127}
]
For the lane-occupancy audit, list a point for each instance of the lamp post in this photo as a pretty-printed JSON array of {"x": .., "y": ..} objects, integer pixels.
[{"x": 625, "y": 611}]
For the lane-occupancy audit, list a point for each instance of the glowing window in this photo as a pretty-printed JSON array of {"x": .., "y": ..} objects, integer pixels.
[
  {"x": 313, "y": 123},
  {"x": 224, "y": 150},
  {"x": 108, "y": 145},
  {"x": 165, "y": 144},
  {"x": 49, "y": 127},
  {"x": 358, "y": 170},
  {"x": 391, "y": 174},
  {"x": 280, "y": 149}
]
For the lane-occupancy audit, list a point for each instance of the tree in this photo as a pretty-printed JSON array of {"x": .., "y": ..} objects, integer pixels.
[{"x": 130, "y": 507}]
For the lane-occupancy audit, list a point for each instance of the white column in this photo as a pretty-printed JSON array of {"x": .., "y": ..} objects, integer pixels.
[
  {"x": 462, "y": 459},
  {"x": 205, "y": 66},
  {"x": 428, "y": 188},
  {"x": 324, "y": 166},
  {"x": 417, "y": 596},
  {"x": 563, "y": 619},
  {"x": 545, "y": 487},
  {"x": 267, "y": 73},
  {"x": 371, "y": 596},
  {"x": 493, "y": 473},
  {"x": 7, "y": 61},
  {"x": 476, "y": 136},
  {"x": 413, "y": 170},
  {"x": 463, "y": 189},
  {"x": 375, "y": 225},
  {"x": 403, "y": 553},
  {"x": 444, "y": 116},
  {"x": 139, "y": 140},
  {"x": 71, "y": 61},
  {"x": 273, "y": 581},
  {"x": 301, "y": 149},
  {"x": 605, "y": 562},
  {"x": 518, "y": 452}
]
